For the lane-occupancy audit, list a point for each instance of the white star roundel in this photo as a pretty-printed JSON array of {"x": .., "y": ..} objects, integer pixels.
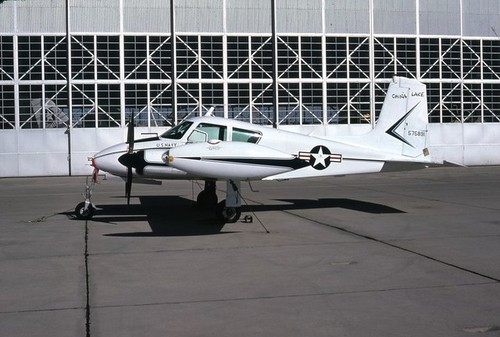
[{"x": 320, "y": 157}]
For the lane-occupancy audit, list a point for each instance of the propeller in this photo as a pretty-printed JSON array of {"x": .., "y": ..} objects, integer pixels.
[{"x": 130, "y": 142}]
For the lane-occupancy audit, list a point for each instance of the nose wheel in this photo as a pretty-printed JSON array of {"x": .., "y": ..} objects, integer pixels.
[{"x": 84, "y": 211}]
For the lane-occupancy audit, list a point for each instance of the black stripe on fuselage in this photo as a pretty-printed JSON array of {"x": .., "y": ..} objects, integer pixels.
[{"x": 294, "y": 163}]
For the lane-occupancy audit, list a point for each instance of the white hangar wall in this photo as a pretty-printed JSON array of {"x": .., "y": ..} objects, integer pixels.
[{"x": 335, "y": 60}]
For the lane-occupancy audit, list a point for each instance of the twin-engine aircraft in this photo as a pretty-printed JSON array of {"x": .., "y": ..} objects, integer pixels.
[{"x": 218, "y": 149}]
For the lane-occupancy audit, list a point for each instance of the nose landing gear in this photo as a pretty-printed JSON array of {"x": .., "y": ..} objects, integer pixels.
[{"x": 86, "y": 209}]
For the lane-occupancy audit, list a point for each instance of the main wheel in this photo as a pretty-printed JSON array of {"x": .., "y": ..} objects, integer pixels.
[
  {"x": 82, "y": 213},
  {"x": 227, "y": 214},
  {"x": 206, "y": 200}
]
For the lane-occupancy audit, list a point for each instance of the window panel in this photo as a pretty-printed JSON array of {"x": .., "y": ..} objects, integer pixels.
[
  {"x": 491, "y": 61},
  {"x": 7, "y": 108},
  {"x": 434, "y": 102},
  {"x": 311, "y": 56},
  {"x": 429, "y": 58},
  {"x": 359, "y": 53},
  {"x": 135, "y": 57},
  {"x": 6, "y": 58},
  {"x": 336, "y": 57},
  {"x": 30, "y": 106},
  {"x": 212, "y": 96},
  {"x": 262, "y": 103},
  {"x": 161, "y": 104},
  {"x": 288, "y": 102},
  {"x": 288, "y": 57},
  {"x": 136, "y": 102},
  {"x": 472, "y": 59},
  {"x": 337, "y": 103},
  {"x": 491, "y": 102},
  {"x": 406, "y": 57},
  {"x": 84, "y": 105},
  {"x": 187, "y": 57},
  {"x": 211, "y": 57},
  {"x": 450, "y": 49},
  {"x": 359, "y": 103},
  {"x": 384, "y": 57},
  {"x": 161, "y": 57},
  {"x": 451, "y": 103},
  {"x": 239, "y": 101},
  {"x": 56, "y": 106},
  {"x": 472, "y": 103},
  {"x": 55, "y": 50},
  {"x": 238, "y": 63},
  {"x": 188, "y": 104},
  {"x": 312, "y": 103},
  {"x": 262, "y": 57},
  {"x": 30, "y": 57},
  {"x": 108, "y": 57},
  {"x": 108, "y": 107},
  {"x": 82, "y": 57}
]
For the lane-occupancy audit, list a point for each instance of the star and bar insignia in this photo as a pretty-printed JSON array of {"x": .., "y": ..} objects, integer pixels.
[{"x": 320, "y": 157}]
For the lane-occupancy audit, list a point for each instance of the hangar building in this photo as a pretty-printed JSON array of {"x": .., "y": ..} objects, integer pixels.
[{"x": 334, "y": 60}]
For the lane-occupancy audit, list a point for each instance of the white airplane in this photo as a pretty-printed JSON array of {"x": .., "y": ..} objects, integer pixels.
[{"x": 218, "y": 149}]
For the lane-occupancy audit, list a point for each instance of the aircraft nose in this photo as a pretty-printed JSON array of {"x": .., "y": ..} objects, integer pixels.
[{"x": 107, "y": 160}]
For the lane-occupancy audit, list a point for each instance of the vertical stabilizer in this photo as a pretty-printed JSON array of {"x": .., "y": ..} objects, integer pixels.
[{"x": 402, "y": 125}]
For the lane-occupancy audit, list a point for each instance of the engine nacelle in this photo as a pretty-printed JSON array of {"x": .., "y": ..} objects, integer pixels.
[{"x": 231, "y": 160}]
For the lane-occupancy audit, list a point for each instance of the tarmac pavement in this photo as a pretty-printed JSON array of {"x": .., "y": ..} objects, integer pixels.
[{"x": 394, "y": 254}]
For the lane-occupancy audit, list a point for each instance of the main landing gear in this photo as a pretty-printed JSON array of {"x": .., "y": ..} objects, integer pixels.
[{"x": 226, "y": 211}]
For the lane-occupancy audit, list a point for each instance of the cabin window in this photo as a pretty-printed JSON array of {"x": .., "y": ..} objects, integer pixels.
[
  {"x": 205, "y": 132},
  {"x": 247, "y": 136},
  {"x": 178, "y": 131}
]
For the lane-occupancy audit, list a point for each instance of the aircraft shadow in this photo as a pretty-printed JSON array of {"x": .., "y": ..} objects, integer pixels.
[
  {"x": 178, "y": 216},
  {"x": 350, "y": 204},
  {"x": 166, "y": 216}
]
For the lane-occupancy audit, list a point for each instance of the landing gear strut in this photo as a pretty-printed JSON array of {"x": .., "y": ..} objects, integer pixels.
[
  {"x": 229, "y": 210},
  {"x": 86, "y": 209}
]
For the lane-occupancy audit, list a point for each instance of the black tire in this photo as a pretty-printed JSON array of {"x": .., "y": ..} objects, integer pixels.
[
  {"x": 227, "y": 214},
  {"x": 206, "y": 200},
  {"x": 82, "y": 213}
]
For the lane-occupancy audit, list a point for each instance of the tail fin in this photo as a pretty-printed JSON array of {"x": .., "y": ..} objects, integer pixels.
[{"x": 402, "y": 125}]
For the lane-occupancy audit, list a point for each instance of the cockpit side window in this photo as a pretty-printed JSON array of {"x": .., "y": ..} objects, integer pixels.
[
  {"x": 178, "y": 131},
  {"x": 248, "y": 136},
  {"x": 205, "y": 132}
]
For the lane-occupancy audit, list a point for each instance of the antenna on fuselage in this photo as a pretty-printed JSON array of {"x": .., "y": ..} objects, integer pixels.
[{"x": 210, "y": 112}]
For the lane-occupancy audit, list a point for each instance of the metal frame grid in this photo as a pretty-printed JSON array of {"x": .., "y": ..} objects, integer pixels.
[{"x": 322, "y": 78}]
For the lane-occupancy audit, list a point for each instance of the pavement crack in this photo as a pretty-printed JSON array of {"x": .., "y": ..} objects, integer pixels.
[
  {"x": 286, "y": 296},
  {"x": 87, "y": 279},
  {"x": 371, "y": 238}
]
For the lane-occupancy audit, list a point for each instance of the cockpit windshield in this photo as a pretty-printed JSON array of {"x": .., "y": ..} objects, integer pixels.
[{"x": 178, "y": 131}]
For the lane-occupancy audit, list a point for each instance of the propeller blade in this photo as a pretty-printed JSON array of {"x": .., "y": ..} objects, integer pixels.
[
  {"x": 130, "y": 134},
  {"x": 128, "y": 185},
  {"x": 130, "y": 141}
]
